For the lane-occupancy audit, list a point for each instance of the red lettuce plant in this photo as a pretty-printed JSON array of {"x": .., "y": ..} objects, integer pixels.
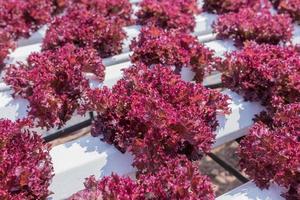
[
  {"x": 226, "y": 6},
  {"x": 6, "y": 44},
  {"x": 39, "y": 12},
  {"x": 291, "y": 7},
  {"x": 25, "y": 164},
  {"x": 156, "y": 105},
  {"x": 110, "y": 187},
  {"x": 164, "y": 122},
  {"x": 158, "y": 46},
  {"x": 53, "y": 82},
  {"x": 259, "y": 26},
  {"x": 120, "y": 9},
  {"x": 168, "y": 14},
  {"x": 22, "y": 17},
  {"x": 85, "y": 29},
  {"x": 265, "y": 72},
  {"x": 12, "y": 18},
  {"x": 179, "y": 178},
  {"x": 272, "y": 153}
]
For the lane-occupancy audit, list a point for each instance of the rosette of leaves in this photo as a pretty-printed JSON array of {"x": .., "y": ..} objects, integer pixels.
[
  {"x": 110, "y": 187},
  {"x": 155, "y": 105},
  {"x": 53, "y": 82},
  {"x": 265, "y": 73},
  {"x": 172, "y": 48},
  {"x": 291, "y": 7},
  {"x": 84, "y": 28},
  {"x": 168, "y": 14},
  {"x": 270, "y": 153},
  {"x": 120, "y": 9},
  {"x": 20, "y": 18},
  {"x": 250, "y": 25},
  {"x": 179, "y": 178},
  {"x": 226, "y": 6},
  {"x": 25, "y": 164}
]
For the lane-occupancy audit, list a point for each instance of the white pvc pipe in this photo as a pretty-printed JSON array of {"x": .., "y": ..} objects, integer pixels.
[{"x": 249, "y": 191}]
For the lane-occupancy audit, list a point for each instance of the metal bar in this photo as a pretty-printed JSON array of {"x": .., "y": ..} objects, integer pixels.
[
  {"x": 214, "y": 86},
  {"x": 228, "y": 168},
  {"x": 67, "y": 131},
  {"x": 91, "y": 115}
]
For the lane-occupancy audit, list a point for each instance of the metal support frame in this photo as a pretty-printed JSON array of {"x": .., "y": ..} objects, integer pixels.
[
  {"x": 68, "y": 130},
  {"x": 228, "y": 168}
]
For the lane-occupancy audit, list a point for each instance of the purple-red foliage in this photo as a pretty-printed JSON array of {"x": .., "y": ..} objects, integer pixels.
[
  {"x": 22, "y": 17},
  {"x": 84, "y": 28},
  {"x": 60, "y": 5},
  {"x": 156, "y": 105},
  {"x": 178, "y": 178},
  {"x": 291, "y": 7},
  {"x": 53, "y": 82},
  {"x": 226, "y": 6},
  {"x": 120, "y": 9},
  {"x": 272, "y": 153},
  {"x": 266, "y": 73},
  {"x": 168, "y": 14},
  {"x": 158, "y": 46},
  {"x": 111, "y": 187},
  {"x": 187, "y": 6},
  {"x": 6, "y": 45},
  {"x": 259, "y": 26},
  {"x": 25, "y": 164}
]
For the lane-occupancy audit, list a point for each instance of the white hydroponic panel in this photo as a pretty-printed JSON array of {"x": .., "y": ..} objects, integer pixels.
[
  {"x": 76, "y": 160},
  {"x": 249, "y": 191},
  {"x": 296, "y": 33}
]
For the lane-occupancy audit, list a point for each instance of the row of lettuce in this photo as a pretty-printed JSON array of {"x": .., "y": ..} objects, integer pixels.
[
  {"x": 20, "y": 18},
  {"x": 167, "y": 124}
]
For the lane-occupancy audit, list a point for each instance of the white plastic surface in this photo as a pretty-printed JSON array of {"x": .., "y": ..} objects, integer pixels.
[
  {"x": 76, "y": 160},
  {"x": 249, "y": 191},
  {"x": 236, "y": 124},
  {"x": 296, "y": 33}
]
